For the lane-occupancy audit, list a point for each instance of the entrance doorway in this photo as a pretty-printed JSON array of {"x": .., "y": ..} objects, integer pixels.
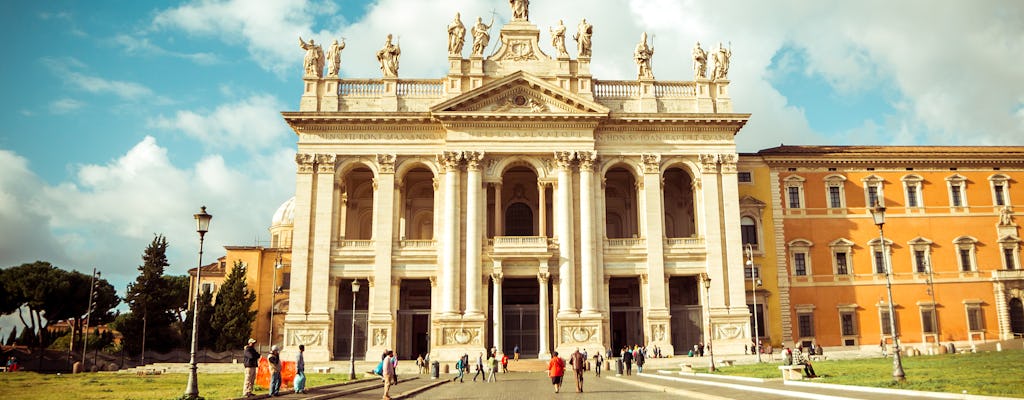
[
  {"x": 687, "y": 314},
  {"x": 343, "y": 339},
  {"x": 626, "y": 313},
  {"x": 413, "y": 318},
  {"x": 520, "y": 316},
  {"x": 1016, "y": 317}
]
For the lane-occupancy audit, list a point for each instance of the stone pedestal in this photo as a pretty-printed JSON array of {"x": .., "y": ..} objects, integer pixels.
[
  {"x": 329, "y": 101},
  {"x": 314, "y": 334},
  {"x": 579, "y": 333},
  {"x": 451, "y": 338},
  {"x": 702, "y": 89},
  {"x": 311, "y": 91},
  {"x": 729, "y": 332},
  {"x": 720, "y": 92}
]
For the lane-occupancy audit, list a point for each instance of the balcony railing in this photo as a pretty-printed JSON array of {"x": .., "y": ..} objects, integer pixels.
[
  {"x": 417, "y": 244},
  {"x": 684, "y": 242},
  {"x": 360, "y": 87},
  {"x": 625, "y": 242},
  {"x": 518, "y": 241}
]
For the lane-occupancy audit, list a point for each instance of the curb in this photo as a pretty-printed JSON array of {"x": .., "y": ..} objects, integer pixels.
[
  {"x": 671, "y": 390},
  {"x": 898, "y": 392},
  {"x": 421, "y": 389}
]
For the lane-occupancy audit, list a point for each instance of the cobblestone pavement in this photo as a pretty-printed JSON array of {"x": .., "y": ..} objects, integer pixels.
[{"x": 536, "y": 386}]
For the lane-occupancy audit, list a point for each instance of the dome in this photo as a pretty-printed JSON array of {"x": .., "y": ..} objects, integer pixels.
[{"x": 285, "y": 215}]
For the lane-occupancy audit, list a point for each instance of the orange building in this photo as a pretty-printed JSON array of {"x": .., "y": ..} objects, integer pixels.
[{"x": 950, "y": 236}]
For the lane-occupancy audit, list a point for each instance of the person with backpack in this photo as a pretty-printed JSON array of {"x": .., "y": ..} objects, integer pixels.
[
  {"x": 460, "y": 368},
  {"x": 275, "y": 370}
]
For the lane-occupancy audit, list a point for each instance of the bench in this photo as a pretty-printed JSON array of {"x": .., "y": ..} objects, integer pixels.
[
  {"x": 727, "y": 363},
  {"x": 322, "y": 370},
  {"x": 150, "y": 371},
  {"x": 685, "y": 368},
  {"x": 792, "y": 372},
  {"x": 819, "y": 358}
]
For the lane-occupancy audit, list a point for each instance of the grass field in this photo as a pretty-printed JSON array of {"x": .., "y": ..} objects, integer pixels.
[
  {"x": 988, "y": 373},
  {"x": 32, "y": 386}
]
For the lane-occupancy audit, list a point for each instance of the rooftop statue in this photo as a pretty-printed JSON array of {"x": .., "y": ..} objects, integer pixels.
[
  {"x": 722, "y": 56},
  {"x": 558, "y": 39},
  {"x": 582, "y": 38},
  {"x": 334, "y": 57},
  {"x": 388, "y": 58},
  {"x": 456, "y": 36},
  {"x": 313, "y": 63},
  {"x": 700, "y": 61},
  {"x": 520, "y": 9},
  {"x": 642, "y": 55},
  {"x": 480, "y": 36}
]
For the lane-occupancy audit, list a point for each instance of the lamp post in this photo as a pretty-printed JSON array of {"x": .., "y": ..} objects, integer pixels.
[
  {"x": 878, "y": 214},
  {"x": 707, "y": 293},
  {"x": 273, "y": 294},
  {"x": 352, "y": 339},
  {"x": 931, "y": 291},
  {"x": 202, "y": 225},
  {"x": 755, "y": 281},
  {"x": 88, "y": 314}
]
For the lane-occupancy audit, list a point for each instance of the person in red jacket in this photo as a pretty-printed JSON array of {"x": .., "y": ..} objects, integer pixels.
[
  {"x": 504, "y": 363},
  {"x": 556, "y": 368}
]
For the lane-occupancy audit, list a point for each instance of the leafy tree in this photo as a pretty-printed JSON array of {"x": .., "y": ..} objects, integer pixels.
[
  {"x": 178, "y": 293},
  {"x": 151, "y": 302},
  {"x": 205, "y": 333},
  {"x": 233, "y": 314},
  {"x": 9, "y": 300}
]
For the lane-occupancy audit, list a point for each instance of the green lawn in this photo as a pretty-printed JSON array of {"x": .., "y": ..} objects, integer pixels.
[
  {"x": 988, "y": 373},
  {"x": 30, "y": 385}
]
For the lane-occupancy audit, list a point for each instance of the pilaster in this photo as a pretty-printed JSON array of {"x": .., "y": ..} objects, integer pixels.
[
  {"x": 383, "y": 234},
  {"x": 563, "y": 226},
  {"x": 655, "y": 234},
  {"x": 321, "y": 254},
  {"x": 473, "y": 234},
  {"x": 588, "y": 268},
  {"x": 449, "y": 240}
]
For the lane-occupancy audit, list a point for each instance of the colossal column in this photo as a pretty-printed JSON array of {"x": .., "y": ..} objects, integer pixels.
[
  {"x": 473, "y": 233},
  {"x": 321, "y": 266},
  {"x": 588, "y": 269},
  {"x": 542, "y": 326},
  {"x": 298, "y": 303},
  {"x": 563, "y": 226},
  {"x": 449, "y": 161},
  {"x": 655, "y": 233},
  {"x": 380, "y": 323},
  {"x": 497, "y": 315}
]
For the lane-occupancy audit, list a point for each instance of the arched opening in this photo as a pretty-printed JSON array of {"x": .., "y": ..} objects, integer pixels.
[
  {"x": 357, "y": 198},
  {"x": 748, "y": 231},
  {"x": 1016, "y": 317},
  {"x": 517, "y": 201},
  {"x": 679, "y": 204},
  {"x": 620, "y": 194},
  {"x": 518, "y": 220},
  {"x": 417, "y": 207}
]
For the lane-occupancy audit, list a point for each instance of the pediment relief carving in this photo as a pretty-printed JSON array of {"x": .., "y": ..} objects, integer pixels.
[{"x": 520, "y": 93}]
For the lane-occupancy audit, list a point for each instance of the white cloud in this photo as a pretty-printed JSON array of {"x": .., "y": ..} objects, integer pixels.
[
  {"x": 66, "y": 67},
  {"x": 144, "y": 46},
  {"x": 252, "y": 123},
  {"x": 65, "y": 105}
]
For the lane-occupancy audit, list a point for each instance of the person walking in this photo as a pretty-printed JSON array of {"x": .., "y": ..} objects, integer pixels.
[
  {"x": 515, "y": 352},
  {"x": 504, "y": 363},
  {"x": 556, "y": 369},
  {"x": 460, "y": 368},
  {"x": 492, "y": 366},
  {"x": 250, "y": 360},
  {"x": 479, "y": 367},
  {"x": 275, "y": 370},
  {"x": 579, "y": 363},
  {"x": 627, "y": 358},
  {"x": 640, "y": 359},
  {"x": 300, "y": 371},
  {"x": 598, "y": 363},
  {"x": 388, "y": 374}
]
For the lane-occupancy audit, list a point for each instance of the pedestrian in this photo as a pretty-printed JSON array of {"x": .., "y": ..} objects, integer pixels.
[
  {"x": 579, "y": 362},
  {"x": 388, "y": 374},
  {"x": 465, "y": 362},
  {"x": 700, "y": 349},
  {"x": 504, "y": 363},
  {"x": 640, "y": 359},
  {"x": 556, "y": 368},
  {"x": 419, "y": 364},
  {"x": 598, "y": 362},
  {"x": 275, "y": 370},
  {"x": 300, "y": 371},
  {"x": 250, "y": 360},
  {"x": 479, "y": 367},
  {"x": 492, "y": 365},
  {"x": 787, "y": 356},
  {"x": 627, "y": 358},
  {"x": 515, "y": 353},
  {"x": 460, "y": 368}
]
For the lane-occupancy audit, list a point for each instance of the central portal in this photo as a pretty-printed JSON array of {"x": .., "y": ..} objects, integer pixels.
[
  {"x": 521, "y": 316},
  {"x": 626, "y": 312},
  {"x": 413, "y": 318}
]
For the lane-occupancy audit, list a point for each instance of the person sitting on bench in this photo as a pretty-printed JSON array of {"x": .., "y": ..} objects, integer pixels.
[{"x": 808, "y": 368}]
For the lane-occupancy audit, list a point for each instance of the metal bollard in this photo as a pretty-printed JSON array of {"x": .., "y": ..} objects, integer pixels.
[
  {"x": 435, "y": 370},
  {"x": 619, "y": 367}
]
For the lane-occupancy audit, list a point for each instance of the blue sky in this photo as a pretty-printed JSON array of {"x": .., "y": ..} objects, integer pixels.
[{"x": 121, "y": 119}]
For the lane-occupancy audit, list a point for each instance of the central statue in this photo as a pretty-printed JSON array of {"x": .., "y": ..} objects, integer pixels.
[{"x": 520, "y": 9}]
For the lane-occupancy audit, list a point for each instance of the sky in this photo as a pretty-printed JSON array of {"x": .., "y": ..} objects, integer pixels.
[{"x": 121, "y": 119}]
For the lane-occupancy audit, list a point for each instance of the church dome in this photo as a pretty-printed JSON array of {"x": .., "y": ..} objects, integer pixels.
[{"x": 285, "y": 215}]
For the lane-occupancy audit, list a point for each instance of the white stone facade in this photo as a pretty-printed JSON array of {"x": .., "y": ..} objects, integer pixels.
[{"x": 516, "y": 201}]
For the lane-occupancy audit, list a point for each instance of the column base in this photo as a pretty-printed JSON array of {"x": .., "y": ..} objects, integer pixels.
[
  {"x": 578, "y": 332},
  {"x": 729, "y": 333},
  {"x": 453, "y": 337},
  {"x": 316, "y": 335},
  {"x": 660, "y": 332},
  {"x": 381, "y": 337}
]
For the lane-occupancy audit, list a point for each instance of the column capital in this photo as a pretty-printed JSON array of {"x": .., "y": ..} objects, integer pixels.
[
  {"x": 325, "y": 163},
  {"x": 564, "y": 159},
  {"x": 433, "y": 281},
  {"x": 305, "y": 162},
  {"x": 543, "y": 277},
  {"x": 728, "y": 163},
  {"x": 586, "y": 159},
  {"x": 497, "y": 277},
  {"x": 708, "y": 163},
  {"x": 386, "y": 162},
  {"x": 449, "y": 160},
  {"x": 652, "y": 163},
  {"x": 473, "y": 159}
]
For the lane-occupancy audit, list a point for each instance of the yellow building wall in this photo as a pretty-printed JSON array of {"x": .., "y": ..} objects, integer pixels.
[
  {"x": 260, "y": 278},
  {"x": 760, "y": 188}
]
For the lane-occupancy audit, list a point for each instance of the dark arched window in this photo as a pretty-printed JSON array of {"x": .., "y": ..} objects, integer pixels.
[
  {"x": 1016, "y": 316},
  {"x": 518, "y": 220}
]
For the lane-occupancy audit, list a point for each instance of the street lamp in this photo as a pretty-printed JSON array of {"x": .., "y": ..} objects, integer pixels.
[
  {"x": 707, "y": 293},
  {"x": 755, "y": 283},
  {"x": 878, "y": 214},
  {"x": 202, "y": 225},
  {"x": 88, "y": 314},
  {"x": 352, "y": 339},
  {"x": 273, "y": 294}
]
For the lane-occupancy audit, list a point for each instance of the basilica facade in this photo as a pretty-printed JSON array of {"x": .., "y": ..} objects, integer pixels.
[{"x": 516, "y": 201}]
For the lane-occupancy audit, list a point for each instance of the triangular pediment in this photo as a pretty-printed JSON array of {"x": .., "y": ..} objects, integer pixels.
[{"x": 519, "y": 93}]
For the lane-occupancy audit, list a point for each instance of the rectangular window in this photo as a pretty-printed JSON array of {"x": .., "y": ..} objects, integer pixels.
[
  {"x": 928, "y": 321},
  {"x": 834, "y": 200},
  {"x": 911, "y": 196},
  {"x": 846, "y": 324},
  {"x": 800, "y": 261},
  {"x": 794, "y": 197},
  {"x": 965, "y": 260},
  {"x": 744, "y": 177},
  {"x": 760, "y": 318},
  {"x": 841, "y": 267},
  {"x": 1009, "y": 259},
  {"x": 879, "y": 262},
  {"x": 748, "y": 271},
  {"x": 872, "y": 196},
  {"x": 749, "y": 234},
  {"x": 208, "y": 288},
  {"x": 919, "y": 261},
  {"x": 954, "y": 191},
  {"x": 975, "y": 322},
  {"x": 806, "y": 325},
  {"x": 1000, "y": 198},
  {"x": 886, "y": 324}
]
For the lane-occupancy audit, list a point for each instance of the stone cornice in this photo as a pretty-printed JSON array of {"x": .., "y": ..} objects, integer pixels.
[{"x": 895, "y": 156}]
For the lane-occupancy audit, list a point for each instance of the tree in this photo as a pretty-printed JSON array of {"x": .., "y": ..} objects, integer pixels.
[
  {"x": 232, "y": 313},
  {"x": 205, "y": 333},
  {"x": 13, "y": 337},
  {"x": 152, "y": 303},
  {"x": 178, "y": 293}
]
